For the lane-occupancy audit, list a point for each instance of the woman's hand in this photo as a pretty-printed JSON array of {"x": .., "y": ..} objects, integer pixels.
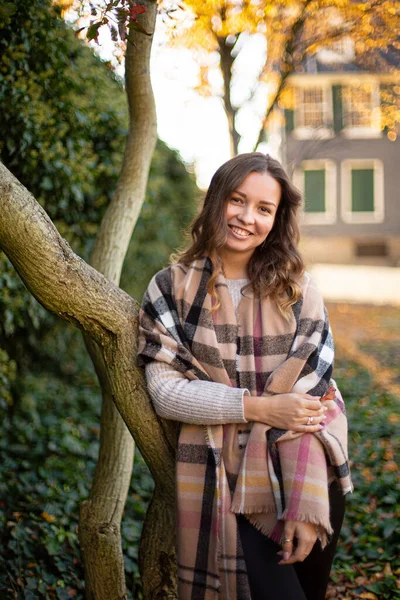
[
  {"x": 306, "y": 536},
  {"x": 286, "y": 411}
]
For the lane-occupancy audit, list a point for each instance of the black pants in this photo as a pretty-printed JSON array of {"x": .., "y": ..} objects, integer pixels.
[{"x": 302, "y": 581}]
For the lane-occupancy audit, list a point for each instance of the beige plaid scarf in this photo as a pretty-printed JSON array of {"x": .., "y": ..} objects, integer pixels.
[{"x": 269, "y": 475}]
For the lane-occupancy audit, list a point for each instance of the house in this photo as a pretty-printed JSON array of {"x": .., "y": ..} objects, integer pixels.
[{"x": 342, "y": 158}]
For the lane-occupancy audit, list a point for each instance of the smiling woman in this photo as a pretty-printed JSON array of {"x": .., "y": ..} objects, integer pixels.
[
  {"x": 237, "y": 348},
  {"x": 272, "y": 267},
  {"x": 250, "y": 215}
]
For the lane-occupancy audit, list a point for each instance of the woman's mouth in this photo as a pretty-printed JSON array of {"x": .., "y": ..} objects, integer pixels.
[{"x": 239, "y": 232}]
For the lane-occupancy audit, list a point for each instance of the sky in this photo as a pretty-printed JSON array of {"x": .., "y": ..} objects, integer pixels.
[{"x": 194, "y": 125}]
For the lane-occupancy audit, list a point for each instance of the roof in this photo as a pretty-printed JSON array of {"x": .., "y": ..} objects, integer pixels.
[{"x": 336, "y": 59}]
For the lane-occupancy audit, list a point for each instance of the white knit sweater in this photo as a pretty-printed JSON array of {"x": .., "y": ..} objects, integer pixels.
[{"x": 200, "y": 402}]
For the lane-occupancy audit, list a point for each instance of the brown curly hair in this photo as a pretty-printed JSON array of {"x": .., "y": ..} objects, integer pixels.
[{"x": 276, "y": 265}]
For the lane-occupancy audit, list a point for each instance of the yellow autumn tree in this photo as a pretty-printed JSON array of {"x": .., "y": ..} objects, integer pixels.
[{"x": 291, "y": 31}]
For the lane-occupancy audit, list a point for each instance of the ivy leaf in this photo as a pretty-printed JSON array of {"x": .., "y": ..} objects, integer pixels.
[
  {"x": 53, "y": 546},
  {"x": 8, "y": 8},
  {"x": 389, "y": 528}
]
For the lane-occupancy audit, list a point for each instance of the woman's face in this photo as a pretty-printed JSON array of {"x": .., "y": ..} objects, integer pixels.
[{"x": 250, "y": 213}]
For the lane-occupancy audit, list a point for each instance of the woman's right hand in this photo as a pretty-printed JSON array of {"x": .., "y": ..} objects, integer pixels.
[{"x": 286, "y": 411}]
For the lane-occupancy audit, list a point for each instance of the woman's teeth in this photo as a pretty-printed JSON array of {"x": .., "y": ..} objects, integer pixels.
[{"x": 239, "y": 231}]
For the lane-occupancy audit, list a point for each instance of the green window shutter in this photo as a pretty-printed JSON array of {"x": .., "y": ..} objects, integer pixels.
[
  {"x": 289, "y": 120},
  {"x": 337, "y": 108},
  {"x": 362, "y": 190},
  {"x": 314, "y": 191}
]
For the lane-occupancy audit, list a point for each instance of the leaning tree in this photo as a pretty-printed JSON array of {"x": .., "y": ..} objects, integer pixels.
[{"x": 89, "y": 298}]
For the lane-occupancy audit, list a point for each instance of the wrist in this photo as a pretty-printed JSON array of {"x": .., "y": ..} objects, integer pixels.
[
  {"x": 254, "y": 407},
  {"x": 249, "y": 407}
]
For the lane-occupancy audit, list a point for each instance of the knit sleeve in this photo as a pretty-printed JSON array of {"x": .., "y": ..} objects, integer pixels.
[{"x": 198, "y": 402}]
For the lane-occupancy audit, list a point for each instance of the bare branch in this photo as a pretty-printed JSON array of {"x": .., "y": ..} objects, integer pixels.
[{"x": 120, "y": 218}]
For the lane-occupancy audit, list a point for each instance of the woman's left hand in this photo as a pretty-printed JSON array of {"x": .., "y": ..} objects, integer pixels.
[{"x": 306, "y": 536}]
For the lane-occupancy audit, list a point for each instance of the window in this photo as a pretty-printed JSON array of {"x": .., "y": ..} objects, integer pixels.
[
  {"x": 362, "y": 191},
  {"x": 316, "y": 179},
  {"x": 361, "y": 110},
  {"x": 311, "y": 108},
  {"x": 313, "y": 113}
]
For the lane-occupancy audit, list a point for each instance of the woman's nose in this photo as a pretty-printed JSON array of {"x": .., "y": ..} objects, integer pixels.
[{"x": 246, "y": 215}]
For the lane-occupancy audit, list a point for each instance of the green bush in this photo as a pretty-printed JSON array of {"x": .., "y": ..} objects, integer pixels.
[
  {"x": 370, "y": 538},
  {"x": 48, "y": 452},
  {"x": 63, "y": 121},
  {"x": 63, "y": 118}
]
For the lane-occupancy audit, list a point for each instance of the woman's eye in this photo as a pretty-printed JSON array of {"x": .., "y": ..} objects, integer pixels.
[
  {"x": 264, "y": 209},
  {"x": 238, "y": 200}
]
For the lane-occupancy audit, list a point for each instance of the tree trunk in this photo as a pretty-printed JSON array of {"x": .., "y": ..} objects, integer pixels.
[
  {"x": 270, "y": 109},
  {"x": 226, "y": 60},
  {"x": 79, "y": 294},
  {"x": 101, "y": 514},
  {"x": 286, "y": 67}
]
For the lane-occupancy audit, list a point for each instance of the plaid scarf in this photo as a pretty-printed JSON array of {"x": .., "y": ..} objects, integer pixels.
[{"x": 270, "y": 475}]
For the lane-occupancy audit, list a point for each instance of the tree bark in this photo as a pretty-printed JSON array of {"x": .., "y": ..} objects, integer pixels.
[
  {"x": 81, "y": 295},
  {"x": 101, "y": 514},
  {"x": 227, "y": 60}
]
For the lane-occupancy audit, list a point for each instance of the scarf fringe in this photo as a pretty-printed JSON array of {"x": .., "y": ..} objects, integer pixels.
[
  {"x": 274, "y": 532},
  {"x": 248, "y": 509},
  {"x": 306, "y": 518},
  {"x": 262, "y": 527}
]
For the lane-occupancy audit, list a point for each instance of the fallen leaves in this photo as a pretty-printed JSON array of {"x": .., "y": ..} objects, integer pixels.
[
  {"x": 364, "y": 333},
  {"x": 367, "y": 562},
  {"x": 48, "y": 518}
]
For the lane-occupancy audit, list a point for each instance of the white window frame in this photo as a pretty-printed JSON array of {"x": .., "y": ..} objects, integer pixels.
[
  {"x": 330, "y": 215},
  {"x": 374, "y": 131},
  {"x": 347, "y": 214},
  {"x": 311, "y": 133}
]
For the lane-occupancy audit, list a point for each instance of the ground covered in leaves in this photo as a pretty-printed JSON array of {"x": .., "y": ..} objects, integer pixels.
[
  {"x": 49, "y": 446},
  {"x": 367, "y": 563},
  {"x": 48, "y": 450}
]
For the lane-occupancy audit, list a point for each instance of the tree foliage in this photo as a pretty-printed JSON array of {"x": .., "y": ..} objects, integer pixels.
[
  {"x": 63, "y": 120},
  {"x": 291, "y": 30},
  {"x": 62, "y": 140},
  {"x": 367, "y": 562},
  {"x": 48, "y": 451}
]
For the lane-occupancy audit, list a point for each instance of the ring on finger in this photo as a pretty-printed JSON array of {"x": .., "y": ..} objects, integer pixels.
[
  {"x": 310, "y": 420},
  {"x": 287, "y": 541}
]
